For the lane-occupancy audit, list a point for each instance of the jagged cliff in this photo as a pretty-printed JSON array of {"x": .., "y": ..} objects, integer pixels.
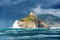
[{"x": 30, "y": 21}]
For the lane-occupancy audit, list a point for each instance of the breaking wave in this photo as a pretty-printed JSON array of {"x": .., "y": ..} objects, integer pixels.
[{"x": 29, "y": 34}]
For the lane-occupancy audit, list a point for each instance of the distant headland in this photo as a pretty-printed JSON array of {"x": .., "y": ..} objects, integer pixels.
[{"x": 30, "y": 21}]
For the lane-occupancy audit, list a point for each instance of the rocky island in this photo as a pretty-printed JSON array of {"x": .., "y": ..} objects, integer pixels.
[{"x": 30, "y": 21}]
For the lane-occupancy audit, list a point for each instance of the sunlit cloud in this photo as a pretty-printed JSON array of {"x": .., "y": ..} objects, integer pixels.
[{"x": 38, "y": 10}]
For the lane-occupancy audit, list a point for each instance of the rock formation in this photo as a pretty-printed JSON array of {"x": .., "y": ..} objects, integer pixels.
[{"x": 30, "y": 21}]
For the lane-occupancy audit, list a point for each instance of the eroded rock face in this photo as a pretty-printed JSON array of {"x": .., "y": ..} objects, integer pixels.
[{"x": 30, "y": 21}]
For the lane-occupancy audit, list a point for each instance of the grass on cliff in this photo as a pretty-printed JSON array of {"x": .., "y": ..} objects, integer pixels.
[{"x": 27, "y": 19}]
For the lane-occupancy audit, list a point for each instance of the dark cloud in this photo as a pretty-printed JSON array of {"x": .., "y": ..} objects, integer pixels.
[
  {"x": 25, "y": 7},
  {"x": 49, "y": 4},
  {"x": 46, "y": 4},
  {"x": 10, "y": 10}
]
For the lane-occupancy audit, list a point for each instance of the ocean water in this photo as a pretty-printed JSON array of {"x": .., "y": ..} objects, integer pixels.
[{"x": 29, "y": 34}]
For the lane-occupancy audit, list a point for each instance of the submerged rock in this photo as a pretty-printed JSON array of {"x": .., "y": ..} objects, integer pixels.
[{"x": 30, "y": 21}]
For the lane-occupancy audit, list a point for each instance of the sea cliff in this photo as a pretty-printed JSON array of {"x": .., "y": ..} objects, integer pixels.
[{"x": 30, "y": 21}]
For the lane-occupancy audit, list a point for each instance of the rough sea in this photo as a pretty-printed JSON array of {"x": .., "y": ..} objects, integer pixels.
[{"x": 29, "y": 34}]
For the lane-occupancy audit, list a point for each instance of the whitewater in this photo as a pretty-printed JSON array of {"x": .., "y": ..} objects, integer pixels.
[
  {"x": 29, "y": 34},
  {"x": 19, "y": 33}
]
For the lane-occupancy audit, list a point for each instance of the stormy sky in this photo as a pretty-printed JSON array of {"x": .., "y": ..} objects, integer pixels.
[{"x": 11, "y": 10}]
